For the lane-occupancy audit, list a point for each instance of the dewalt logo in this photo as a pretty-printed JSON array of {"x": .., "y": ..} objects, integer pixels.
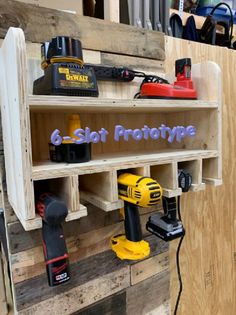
[{"x": 76, "y": 77}]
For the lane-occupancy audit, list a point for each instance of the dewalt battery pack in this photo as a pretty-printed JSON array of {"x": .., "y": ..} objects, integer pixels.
[{"x": 67, "y": 79}]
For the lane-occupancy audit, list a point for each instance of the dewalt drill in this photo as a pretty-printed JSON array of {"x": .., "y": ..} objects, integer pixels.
[{"x": 136, "y": 191}]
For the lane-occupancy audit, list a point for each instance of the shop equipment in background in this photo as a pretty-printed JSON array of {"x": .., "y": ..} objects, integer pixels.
[
  {"x": 53, "y": 212},
  {"x": 208, "y": 33},
  {"x": 136, "y": 191},
  {"x": 64, "y": 74}
]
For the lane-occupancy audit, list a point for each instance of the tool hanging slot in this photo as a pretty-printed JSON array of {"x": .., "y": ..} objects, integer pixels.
[
  {"x": 142, "y": 171},
  {"x": 66, "y": 189},
  {"x": 194, "y": 168},
  {"x": 211, "y": 171},
  {"x": 99, "y": 189},
  {"x": 166, "y": 175}
]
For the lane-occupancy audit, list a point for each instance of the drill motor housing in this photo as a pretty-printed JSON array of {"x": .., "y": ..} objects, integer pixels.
[
  {"x": 140, "y": 190},
  {"x": 135, "y": 191}
]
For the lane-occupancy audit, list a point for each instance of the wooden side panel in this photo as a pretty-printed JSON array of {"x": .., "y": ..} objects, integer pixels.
[
  {"x": 208, "y": 252},
  {"x": 16, "y": 124}
]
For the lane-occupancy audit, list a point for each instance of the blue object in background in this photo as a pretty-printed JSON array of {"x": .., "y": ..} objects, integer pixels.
[{"x": 220, "y": 13}]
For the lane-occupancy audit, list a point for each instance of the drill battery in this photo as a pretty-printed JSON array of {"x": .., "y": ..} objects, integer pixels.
[{"x": 70, "y": 152}]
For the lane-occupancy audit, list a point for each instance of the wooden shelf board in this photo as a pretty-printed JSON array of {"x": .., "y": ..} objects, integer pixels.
[
  {"x": 91, "y": 104},
  {"x": 74, "y": 215},
  {"x": 198, "y": 187},
  {"x": 100, "y": 202},
  {"x": 169, "y": 193},
  {"x": 212, "y": 181},
  {"x": 47, "y": 169}
]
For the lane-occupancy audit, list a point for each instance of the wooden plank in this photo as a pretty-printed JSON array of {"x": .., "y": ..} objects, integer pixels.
[
  {"x": 135, "y": 63},
  {"x": 149, "y": 267},
  {"x": 116, "y": 304},
  {"x": 100, "y": 202},
  {"x": 20, "y": 240},
  {"x": 169, "y": 193},
  {"x": 205, "y": 276},
  {"x": 112, "y": 10},
  {"x": 83, "y": 295},
  {"x": 3, "y": 298},
  {"x": 71, "y": 5},
  {"x": 95, "y": 268},
  {"x": 30, "y": 263},
  {"x": 149, "y": 295},
  {"x": 89, "y": 30},
  {"x": 107, "y": 163},
  {"x": 92, "y": 105},
  {"x": 15, "y": 121}
]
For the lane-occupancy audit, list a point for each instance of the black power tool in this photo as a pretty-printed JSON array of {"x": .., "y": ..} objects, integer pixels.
[
  {"x": 167, "y": 226},
  {"x": 53, "y": 212},
  {"x": 64, "y": 73}
]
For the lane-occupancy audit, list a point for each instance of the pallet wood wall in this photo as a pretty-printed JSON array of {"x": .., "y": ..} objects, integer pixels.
[
  {"x": 209, "y": 250},
  {"x": 3, "y": 295},
  {"x": 208, "y": 257}
]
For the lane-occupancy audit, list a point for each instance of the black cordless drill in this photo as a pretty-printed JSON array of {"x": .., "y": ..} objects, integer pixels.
[{"x": 53, "y": 212}]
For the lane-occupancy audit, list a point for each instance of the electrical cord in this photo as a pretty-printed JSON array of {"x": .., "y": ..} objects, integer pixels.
[
  {"x": 231, "y": 16},
  {"x": 178, "y": 264},
  {"x": 148, "y": 79}
]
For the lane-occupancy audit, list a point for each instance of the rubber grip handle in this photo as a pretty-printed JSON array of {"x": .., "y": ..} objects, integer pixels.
[
  {"x": 133, "y": 231},
  {"x": 55, "y": 254}
]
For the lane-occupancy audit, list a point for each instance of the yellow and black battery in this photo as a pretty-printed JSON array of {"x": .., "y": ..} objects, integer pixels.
[
  {"x": 64, "y": 70},
  {"x": 68, "y": 151}
]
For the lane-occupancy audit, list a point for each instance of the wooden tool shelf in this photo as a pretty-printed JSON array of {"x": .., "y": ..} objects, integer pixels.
[{"x": 29, "y": 120}]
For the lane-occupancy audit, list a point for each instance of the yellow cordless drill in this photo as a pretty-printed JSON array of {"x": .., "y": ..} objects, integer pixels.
[{"x": 136, "y": 191}]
